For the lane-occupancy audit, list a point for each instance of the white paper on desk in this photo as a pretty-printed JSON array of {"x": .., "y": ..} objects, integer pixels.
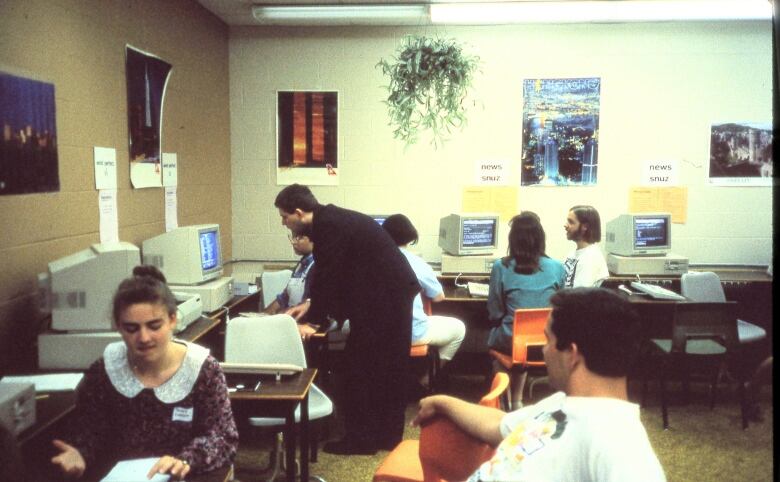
[
  {"x": 135, "y": 470},
  {"x": 54, "y": 382}
]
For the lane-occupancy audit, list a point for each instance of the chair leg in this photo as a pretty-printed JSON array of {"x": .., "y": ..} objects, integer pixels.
[
  {"x": 664, "y": 409},
  {"x": 743, "y": 403}
]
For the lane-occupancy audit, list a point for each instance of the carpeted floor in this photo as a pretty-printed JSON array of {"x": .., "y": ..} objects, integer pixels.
[{"x": 701, "y": 444}]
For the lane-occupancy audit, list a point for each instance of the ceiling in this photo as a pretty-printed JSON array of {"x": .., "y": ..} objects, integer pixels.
[{"x": 239, "y": 12}]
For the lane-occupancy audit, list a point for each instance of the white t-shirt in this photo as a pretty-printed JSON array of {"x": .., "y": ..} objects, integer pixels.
[
  {"x": 573, "y": 439},
  {"x": 584, "y": 267}
]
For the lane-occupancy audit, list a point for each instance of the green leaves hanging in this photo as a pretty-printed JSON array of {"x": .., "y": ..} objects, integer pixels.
[{"x": 429, "y": 80}]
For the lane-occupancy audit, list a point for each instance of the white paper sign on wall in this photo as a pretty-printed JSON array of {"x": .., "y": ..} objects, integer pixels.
[
  {"x": 492, "y": 173},
  {"x": 660, "y": 173}
]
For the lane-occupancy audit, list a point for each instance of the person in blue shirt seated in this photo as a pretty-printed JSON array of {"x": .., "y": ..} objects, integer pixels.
[
  {"x": 295, "y": 300},
  {"x": 444, "y": 332},
  {"x": 526, "y": 278}
]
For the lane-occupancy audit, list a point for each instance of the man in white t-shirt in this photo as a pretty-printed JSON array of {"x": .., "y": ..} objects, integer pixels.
[
  {"x": 585, "y": 266},
  {"x": 587, "y": 432}
]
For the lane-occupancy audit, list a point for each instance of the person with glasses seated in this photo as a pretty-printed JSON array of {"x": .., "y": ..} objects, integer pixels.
[{"x": 295, "y": 300}]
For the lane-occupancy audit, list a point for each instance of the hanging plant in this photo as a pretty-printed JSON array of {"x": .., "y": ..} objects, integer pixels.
[{"x": 429, "y": 80}]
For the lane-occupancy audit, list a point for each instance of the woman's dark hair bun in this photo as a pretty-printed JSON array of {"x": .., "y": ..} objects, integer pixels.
[{"x": 147, "y": 270}]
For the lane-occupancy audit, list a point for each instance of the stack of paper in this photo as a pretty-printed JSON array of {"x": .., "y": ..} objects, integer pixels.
[{"x": 135, "y": 470}]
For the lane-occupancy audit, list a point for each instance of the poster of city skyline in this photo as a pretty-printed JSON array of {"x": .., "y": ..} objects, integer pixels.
[
  {"x": 307, "y": 138},
  {"x": 741, "y": 154},
  {"x": 147, "y": 78},
  {"x": 560, "y": 131},
  {"x": 28, "y": 148}
]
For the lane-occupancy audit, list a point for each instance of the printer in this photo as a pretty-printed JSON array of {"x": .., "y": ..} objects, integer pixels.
[{"x": 17, "y": 406}]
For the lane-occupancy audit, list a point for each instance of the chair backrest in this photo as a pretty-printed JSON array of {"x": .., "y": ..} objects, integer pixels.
[
  {"x": 528, "y": 331},
  {"x": 447, "y": 452},
  {"x": 497, "y": 389},
  {"x": 273, "y": 283},
  {"x": 264, "y": 339},
  {"x": 702, "y": 286},
  {"x": 695, "y": 320}
]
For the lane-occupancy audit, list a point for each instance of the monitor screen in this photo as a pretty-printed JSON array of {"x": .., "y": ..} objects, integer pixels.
[
  {"x": 651, "y": 232},
  {"x": 478, "y": 233},
  {"x": 379, "y": 218},
  {"x": 209, "y": 249}
]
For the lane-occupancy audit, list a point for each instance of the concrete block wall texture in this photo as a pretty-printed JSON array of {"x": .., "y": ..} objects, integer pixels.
[
  {"x": 80, "y": 48},
  {"x": 662, "y": 86}
]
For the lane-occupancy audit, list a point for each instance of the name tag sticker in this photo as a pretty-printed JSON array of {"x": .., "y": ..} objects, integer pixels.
[{"x": 182, "y": 414}]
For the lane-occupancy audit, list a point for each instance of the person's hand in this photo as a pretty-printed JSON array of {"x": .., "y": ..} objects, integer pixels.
[
  {"x": 69, "y": 460},
  {"x": 306, "y": 330},
  {"x": 169, "y": 464},
  {"x": 426, "y": 411},
  {"x": 299, "y": 310}
]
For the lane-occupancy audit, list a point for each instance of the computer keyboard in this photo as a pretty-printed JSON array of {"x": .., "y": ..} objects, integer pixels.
[
  {"x": 656, "y": 291},
  {"x": 478, "y": 289}
]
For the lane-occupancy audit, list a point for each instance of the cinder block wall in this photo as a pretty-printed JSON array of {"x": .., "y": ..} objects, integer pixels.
[{"x": 79, "y": 46}]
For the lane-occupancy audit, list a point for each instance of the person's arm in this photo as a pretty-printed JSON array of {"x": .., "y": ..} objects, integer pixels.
[
  {"x": 299, "y": 311},
  {"x": 273, "y": 308},
  {"x": 483, "y": 423},
  {"x": 495, "y": 301},
  {"x": 216, "y": 440},
  {"x": 89, "y": 427}
]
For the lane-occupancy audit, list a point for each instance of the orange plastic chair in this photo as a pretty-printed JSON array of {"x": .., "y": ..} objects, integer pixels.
[
  {"x": 527, "y": 341},
  {"x": 444, "y": 452},
  {"x": 420, "y": 350}
]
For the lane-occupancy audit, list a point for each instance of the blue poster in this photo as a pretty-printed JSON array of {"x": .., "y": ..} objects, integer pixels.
[
  {"x": 28, "y": 147},
  {"x": 560, "y": 131}
]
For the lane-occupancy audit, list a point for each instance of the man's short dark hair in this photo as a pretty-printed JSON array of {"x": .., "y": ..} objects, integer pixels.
[
  {"x": 603, "y": 325},
  {"x": 296, "y": 196},
  {"x": 588, "y": 216},
  {"x": 400, "y": 229}
]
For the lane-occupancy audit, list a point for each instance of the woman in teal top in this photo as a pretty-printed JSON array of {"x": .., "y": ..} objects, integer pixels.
[{"x": 526, "y": 278}]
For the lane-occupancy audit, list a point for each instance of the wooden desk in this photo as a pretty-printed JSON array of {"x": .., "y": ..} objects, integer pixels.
[{"x": 279, "y": 399}]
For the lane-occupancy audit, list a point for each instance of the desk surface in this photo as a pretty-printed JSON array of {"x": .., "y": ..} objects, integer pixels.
[{"x": 290, "y": 388}]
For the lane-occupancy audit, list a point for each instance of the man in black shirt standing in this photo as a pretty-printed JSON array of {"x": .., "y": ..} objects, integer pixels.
[{"x": 361, "y": 276}]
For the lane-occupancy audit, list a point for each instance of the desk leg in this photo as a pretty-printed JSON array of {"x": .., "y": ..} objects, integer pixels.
[
  {"x": 305, "y": 438},
  {"x": 290, "y": 444}
]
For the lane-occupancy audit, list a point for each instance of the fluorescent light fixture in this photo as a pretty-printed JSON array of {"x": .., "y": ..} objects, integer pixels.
[
  {"x": 350, "y": 14},
  {"x": 599, "y": 11}
]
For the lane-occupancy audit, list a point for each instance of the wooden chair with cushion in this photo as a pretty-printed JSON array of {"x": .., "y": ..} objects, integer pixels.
[{"x": 444, "y": 452}]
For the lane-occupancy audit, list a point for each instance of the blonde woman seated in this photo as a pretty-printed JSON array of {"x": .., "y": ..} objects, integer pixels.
[
  {"x": 150, "y": 395},
  {"x": 444, "y": 332}
]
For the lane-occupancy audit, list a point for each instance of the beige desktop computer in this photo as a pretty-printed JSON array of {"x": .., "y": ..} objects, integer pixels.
[{"x": 670, "y": 264}]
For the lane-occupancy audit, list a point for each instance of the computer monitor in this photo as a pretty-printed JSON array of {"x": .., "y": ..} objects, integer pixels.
[
  {"x": 645, "y": 234},
  {"x": 187, "y": 255},
  {"x": 80, "y": 287},
  {"x": 469, "y": 234},
  {"x": 379, "y": 218}
]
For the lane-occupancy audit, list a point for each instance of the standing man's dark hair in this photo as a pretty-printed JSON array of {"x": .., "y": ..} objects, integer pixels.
[
  {"x": 601, "y": 323},
  {"x": 296, "y": 196},
  {"x": 590, "y": 219}
]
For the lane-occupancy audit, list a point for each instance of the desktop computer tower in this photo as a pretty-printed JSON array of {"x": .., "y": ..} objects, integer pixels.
[
  {"x": 213, "y": 294},
  {"x": 670, "y": 264}
]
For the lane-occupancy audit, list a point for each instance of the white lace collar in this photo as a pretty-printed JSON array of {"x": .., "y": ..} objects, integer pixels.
[{"x": 173, "y": 390}]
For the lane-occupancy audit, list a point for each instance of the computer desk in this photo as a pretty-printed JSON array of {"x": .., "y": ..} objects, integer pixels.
[
  {"x": 751, "y": 288},
  {"x": 280, "y": 398}
]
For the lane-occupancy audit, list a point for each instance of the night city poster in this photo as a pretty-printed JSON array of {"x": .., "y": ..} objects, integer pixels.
[
  {"x": 28, "y": 151},
  {"x": 147, "y": 78},
  {"x": 560, "y": 131}
]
